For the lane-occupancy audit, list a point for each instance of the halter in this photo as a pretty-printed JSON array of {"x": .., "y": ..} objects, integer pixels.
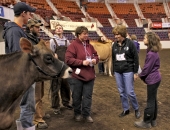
[{"x": 43, "y": 72}]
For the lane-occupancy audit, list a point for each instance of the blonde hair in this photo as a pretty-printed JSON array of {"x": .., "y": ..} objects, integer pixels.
[
  {"x": 133, "y": 37},
  {"x": 121, "y": 30}
]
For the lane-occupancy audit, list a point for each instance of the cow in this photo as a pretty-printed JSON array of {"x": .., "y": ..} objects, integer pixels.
[
  {"x": 19, "y": 70},
  {"x": 104, "y": 50}
]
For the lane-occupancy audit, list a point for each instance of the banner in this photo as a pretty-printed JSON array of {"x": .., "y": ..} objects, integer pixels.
[
  {"x": 156, "y": 25},
  {"x": 160, "y": 25},
  {"x": 1, "y": 11},
  {"x": 68, "y": 25},
  {"x": 165, "y": 25}
]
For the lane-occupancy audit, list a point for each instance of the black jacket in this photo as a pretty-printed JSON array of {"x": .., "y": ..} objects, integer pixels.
[
  {"x": 33, "y": 39},
  {"x": 131, "y": 62}
]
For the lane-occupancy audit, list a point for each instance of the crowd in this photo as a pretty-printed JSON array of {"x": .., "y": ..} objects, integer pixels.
[{"x": 81, "y": 57}]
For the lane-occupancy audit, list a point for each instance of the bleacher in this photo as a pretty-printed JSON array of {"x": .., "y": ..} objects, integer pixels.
[
  {"x": 154, "y": 11},
  {"x": 127, "y": 12}
]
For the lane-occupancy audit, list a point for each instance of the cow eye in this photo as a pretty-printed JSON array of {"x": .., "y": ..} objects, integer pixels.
[{"x": 49, "y": 59}]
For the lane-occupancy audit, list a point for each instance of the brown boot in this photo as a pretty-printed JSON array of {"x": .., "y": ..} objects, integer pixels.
[{"x": 142, "y": 124}]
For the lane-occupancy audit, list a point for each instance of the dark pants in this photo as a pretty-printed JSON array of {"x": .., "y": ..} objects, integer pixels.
[
  {"x": 82, "y": 96},
  {"x": 63, "y": 86},
  {"x": 150, "y": 112},
  {"x": 101, "y": 67}
]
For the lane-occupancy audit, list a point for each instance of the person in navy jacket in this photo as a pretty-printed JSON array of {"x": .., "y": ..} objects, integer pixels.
[{"x": 151, "y": 76}]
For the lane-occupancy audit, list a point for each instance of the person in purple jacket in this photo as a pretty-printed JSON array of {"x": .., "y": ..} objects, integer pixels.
[
  {"x": 81, "y": 57},
  {"x": 136, "y": 43},
  {"x": 151, "y": 76}
]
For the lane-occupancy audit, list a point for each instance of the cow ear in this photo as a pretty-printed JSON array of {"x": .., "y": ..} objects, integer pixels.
[
  {"x": 47, "y": 44},
  {"x": 26, "y": 45}
]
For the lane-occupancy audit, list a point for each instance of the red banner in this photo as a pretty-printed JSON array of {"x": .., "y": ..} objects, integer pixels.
[{"x": 156, "y": 25}]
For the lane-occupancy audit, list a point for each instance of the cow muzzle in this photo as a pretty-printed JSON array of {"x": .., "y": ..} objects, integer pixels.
[{"x": 67, "y": 73}]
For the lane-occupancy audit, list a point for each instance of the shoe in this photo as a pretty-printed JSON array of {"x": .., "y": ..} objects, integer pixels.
[
  {"x": 153, "y": 123},
  {"x": 124, "y": 113},
  {"x": 46, "y": 116},
  {"x": 69, "y": 107},
  {"x": 142, "y": 124},
  {"x": 42, "y": 125},
  {"x": 89, "y": 119},
  {"x": 57, "y": 111},
  {"x": 137, "y": 114},
  {"x": 77, "y": 118}
]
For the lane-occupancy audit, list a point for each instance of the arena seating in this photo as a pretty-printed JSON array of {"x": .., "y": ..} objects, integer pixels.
[
  {"x": 125, "y": 11},
  {"x": 69, "y": 9},
  {"x": 154, "y": 11},
  {"x": 99, "y": 11},
  {"x": 7, "y": 3}
]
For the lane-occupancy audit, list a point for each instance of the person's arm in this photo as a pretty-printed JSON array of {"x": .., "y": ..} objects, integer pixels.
[
  {"x": 52, "y": 45},
  {"x": 113, "y": 55},
  {"x": 95, "y": 58},
  {"x": 70, "y": 57},
  {"x": 135, "y": 58},
  {"x": 149, "y": 63},
  {"x": 13, "y": 38}
]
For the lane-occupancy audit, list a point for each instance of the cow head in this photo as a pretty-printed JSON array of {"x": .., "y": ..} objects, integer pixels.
[{"x": 44, "y": 60}]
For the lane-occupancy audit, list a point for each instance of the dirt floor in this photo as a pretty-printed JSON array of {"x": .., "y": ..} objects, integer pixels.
[{"x": 107, "y": 106}]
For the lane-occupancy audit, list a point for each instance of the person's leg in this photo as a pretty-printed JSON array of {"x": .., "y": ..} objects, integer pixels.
[
  {"x": 39, "y": 113},
  {"x": 27, "y": 106},
  {"x": 122, "y": 91},
  {"x": 55, "y": 98},
  {"x": 65, "y": 93},
  {"x": 129, "y": 81},
  {"x": 77, "y": 88},
  {"x": 100, "y": 67},
  {"x": 87, "y": 98},
  {"x": 150, "y": 113}
]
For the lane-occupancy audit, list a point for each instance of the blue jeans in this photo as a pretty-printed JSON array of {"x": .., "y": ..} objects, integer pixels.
[
  {"x": 82, "y": 96},
  {"x": 126, "y": 89},
  {"x": 27, "y": 106}
]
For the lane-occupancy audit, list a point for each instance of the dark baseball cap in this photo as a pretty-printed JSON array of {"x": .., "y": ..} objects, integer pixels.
[
  {"x": 21, "y": 7},
  {"x": 33, "y": 22}
]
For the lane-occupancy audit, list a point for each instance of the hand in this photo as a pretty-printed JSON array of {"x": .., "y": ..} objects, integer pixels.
[
  {"x": 93, "y": 61},
  {"x": 56, "y": 56},
  {"x": 86, "y": 62},
  {"x": 135, "y": 76},
  {"x": 47, "y": 43}
]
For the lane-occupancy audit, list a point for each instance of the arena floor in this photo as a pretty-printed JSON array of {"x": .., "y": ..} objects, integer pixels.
[{"x": 107, "y": 106}]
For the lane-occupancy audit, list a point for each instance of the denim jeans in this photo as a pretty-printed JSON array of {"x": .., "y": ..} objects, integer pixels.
[
  {"x": 82, "y": 96},
  {"x": 150, "y": 112},
  {"x": 27, "y": 106},
  {"x": 126, "y": 89}
]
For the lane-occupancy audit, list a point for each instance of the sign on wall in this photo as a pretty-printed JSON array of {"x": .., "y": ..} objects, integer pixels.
[
  {"x": 1, "y": 11},
  {"x": 121, "y": 1},
  {"x": 68, "y": 25}
]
